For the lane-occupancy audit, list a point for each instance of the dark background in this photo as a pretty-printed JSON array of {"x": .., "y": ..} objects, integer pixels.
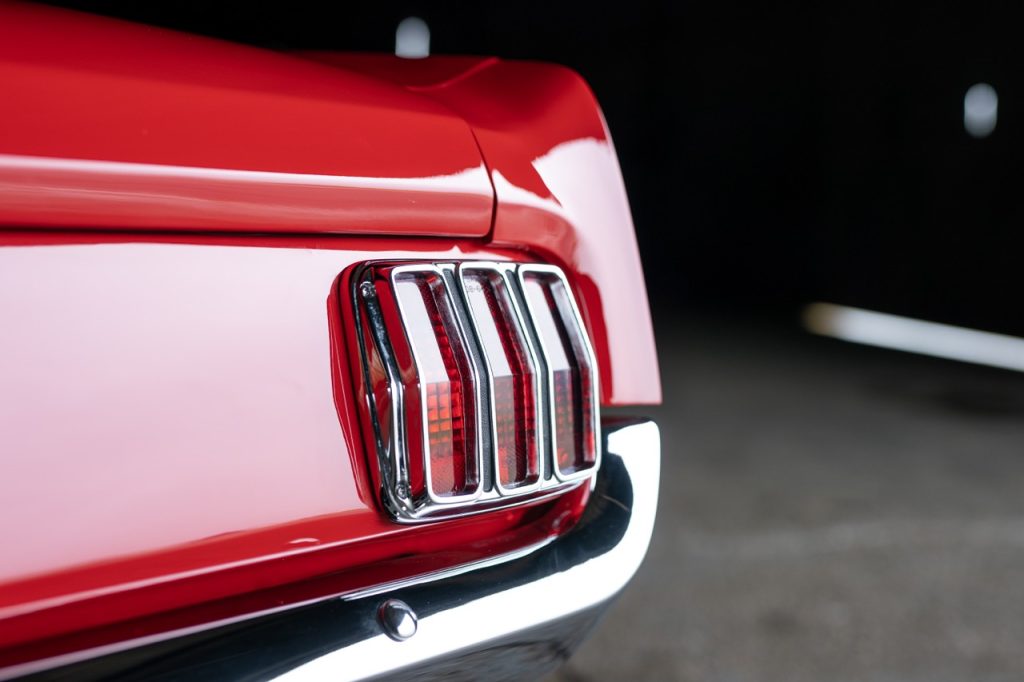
[{"x": 773, "y": 155}]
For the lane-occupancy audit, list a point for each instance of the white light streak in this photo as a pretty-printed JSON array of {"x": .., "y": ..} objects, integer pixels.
[
  {"x": 981, "y": 110},
  {"x": 412, "y": 39},
  {"x": 915, "y": 336}
]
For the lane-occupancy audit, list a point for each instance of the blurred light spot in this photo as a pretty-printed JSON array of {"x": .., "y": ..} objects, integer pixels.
[
  {"x": 412, "y": 39},
  {"x": 981, "y": 109},
  {"x": 915, "y": 336}
]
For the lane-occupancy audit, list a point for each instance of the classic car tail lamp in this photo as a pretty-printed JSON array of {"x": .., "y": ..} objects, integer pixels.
[
  {"x": 571, "y": 370},
  {"x": 440, "y": 386},
  {"x": 481, "y": 385},
  {"x": 512, "y": 373}
]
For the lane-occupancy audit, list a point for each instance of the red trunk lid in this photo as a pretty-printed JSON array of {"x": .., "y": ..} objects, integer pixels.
[{"x": 109, "y": 124}]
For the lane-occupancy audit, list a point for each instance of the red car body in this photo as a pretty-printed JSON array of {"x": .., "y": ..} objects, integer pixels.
[{"x": 179, "y": 423}]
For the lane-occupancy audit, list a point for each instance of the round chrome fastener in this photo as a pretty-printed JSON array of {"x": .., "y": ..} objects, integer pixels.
[{"x": 397, "y": 618}]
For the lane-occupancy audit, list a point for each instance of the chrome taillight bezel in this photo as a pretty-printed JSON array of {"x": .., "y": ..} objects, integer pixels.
[
  {"x": 507, "y": 272},
  {"x": 391, "y": 445},
  {"x": 395, "y": 275},
  {"x": 587, "y": 350}
]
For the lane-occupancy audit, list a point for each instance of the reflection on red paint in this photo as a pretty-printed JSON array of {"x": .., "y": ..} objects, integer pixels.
[
  {"x": 180, "y": 393},
  {"x": 112, "y": 125},
  {"x": 559, "y": 195}
]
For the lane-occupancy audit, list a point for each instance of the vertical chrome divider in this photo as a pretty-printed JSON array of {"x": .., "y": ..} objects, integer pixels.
[
  {"x": 483, "y": 390},
  {"x": 595, "y": 398},
  {"x": 542, "y": 391},
  {"x": 525, "y": 322},
  {"x": 503, "y": 271},
  {"x": 391, "y": 456},
  {"x": 395, "y": 275}
]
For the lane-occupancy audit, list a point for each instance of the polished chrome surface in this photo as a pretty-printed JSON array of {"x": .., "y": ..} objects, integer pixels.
[
  {"x": 392, "y": 452},
  {"x": 522, "y": 272},
  {"x": 433, "y": 498},
  {"x": 506, "y": 271},
  {"x": 397, "y": 619},
  {"x": 514, "y": 617},
  {"x": 575, "y": 574}
]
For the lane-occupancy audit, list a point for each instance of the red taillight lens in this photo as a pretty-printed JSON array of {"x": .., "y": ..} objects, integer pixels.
[
  {"x": 480, "y": 383},
  {"x": 570, "y": 367},
  {"x": 440, "y": 402},
  {"x": 512, "y": 373}
]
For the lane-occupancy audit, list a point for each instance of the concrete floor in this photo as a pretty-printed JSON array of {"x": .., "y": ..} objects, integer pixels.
[{"x": 828, "y": 512}]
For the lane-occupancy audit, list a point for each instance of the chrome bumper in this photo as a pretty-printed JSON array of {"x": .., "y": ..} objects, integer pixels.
[
  {"x": 518, "y": 619},
  {"x": 515, "y": 618}
]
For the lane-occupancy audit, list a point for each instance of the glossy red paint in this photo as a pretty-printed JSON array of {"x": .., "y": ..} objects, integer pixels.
[
  {"x": 108, "y": 124},
  {"x": 179, "y": 429},
  {"x": 559, "y": 194},
  {"x": 168, "y": 614},
  {"x": 180, "y": 441},
  {"x": 114, "y": 125}
]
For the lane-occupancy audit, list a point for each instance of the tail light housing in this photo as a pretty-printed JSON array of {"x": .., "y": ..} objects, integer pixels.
[
  {"x": 571, "y": 370},
  {"x": 480, "y": 385}
]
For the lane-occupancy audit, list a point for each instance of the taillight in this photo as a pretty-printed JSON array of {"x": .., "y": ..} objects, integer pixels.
[
  {"x": 512, "y": 373},
  {"x": 439, "y": 388},
  {"x": 570, "y": 370},
  {"x": 480, "y": 382}
]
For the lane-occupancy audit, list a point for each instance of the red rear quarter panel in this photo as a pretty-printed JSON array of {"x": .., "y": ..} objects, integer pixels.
[
  {"x": 559, "y": 193},
  {"x": 178, "y": 414}
]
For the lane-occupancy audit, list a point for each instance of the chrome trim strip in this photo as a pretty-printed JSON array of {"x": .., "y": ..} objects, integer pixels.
[
  {"x": 393, "y": 454},
  {"x": 503, "y": 271},
  {"x": 482, "y": 390},
  {"x": 595, "y": 398},
  {"x": 560, "y": 580},
  {"x": 419, "y": 269},
  {"x": 494, "y": 613}
]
